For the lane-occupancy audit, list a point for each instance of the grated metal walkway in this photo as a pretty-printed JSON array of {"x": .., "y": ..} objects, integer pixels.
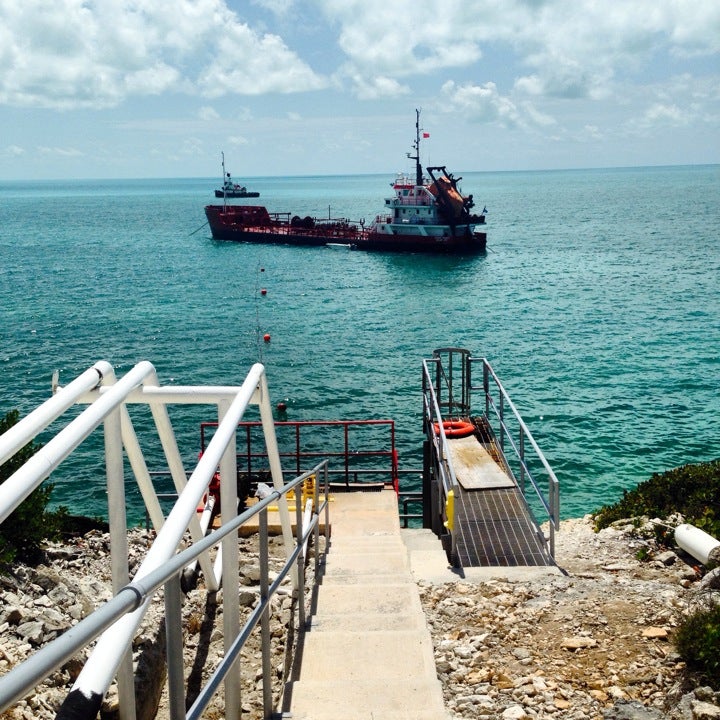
[{"x": 494, "y": 526}]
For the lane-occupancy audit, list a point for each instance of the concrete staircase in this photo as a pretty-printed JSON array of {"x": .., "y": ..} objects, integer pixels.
[{"x": 368, "y": 654}]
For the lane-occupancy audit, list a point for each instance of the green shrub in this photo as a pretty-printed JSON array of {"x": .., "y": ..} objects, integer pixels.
[
  {"x": 692, "y": 490},
  {"x": 23, "y": 532},
  {"x": 697, "y": 641}
]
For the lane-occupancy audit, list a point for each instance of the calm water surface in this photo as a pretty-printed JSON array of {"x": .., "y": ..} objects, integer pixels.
[{"x": 597, "y": 303}]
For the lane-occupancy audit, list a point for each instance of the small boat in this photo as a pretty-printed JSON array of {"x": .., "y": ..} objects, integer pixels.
[
  {"x": 424, "y": 214},
  {"x": 231, "y": 189}
]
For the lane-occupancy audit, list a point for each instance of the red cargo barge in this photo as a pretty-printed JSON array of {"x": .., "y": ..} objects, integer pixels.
[{"x": 425, "y": 214}]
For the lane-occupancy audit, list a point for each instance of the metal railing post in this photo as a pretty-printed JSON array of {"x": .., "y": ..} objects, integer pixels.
[
  {"x": 119, "y": 548},
  {"x": 265, "y": 619},
  {"x": 230, "y": 559},
  {"x": 486, "y": 387},
  {"x": 174, "y": 647},
  {"x": 522, "y": 461},
  {"x": 301, "y": 556}
]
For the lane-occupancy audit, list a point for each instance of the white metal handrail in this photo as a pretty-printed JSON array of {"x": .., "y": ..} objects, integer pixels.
[
  {"x": 21, "y": 679},
  {"x": 107, "y": 400}
]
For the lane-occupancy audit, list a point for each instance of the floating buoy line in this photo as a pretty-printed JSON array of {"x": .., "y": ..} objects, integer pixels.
[
  {"x": 262, "y": 337},
  {"x": 259, "y": 334}
]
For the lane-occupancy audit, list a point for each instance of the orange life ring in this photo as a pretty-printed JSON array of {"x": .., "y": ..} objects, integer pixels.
[{"x": 455, "y": 428}]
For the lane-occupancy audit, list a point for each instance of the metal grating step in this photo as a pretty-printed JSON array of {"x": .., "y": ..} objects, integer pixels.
[{"x": 495, "y": 529}]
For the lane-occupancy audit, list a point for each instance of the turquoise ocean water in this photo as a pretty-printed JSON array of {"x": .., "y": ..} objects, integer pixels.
[{"x": 598, "y": 304}]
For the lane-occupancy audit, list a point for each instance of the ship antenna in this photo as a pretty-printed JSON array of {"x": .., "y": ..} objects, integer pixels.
[
  {"x": 222, "y": 153},
  {"x": 416, "y": 156}
]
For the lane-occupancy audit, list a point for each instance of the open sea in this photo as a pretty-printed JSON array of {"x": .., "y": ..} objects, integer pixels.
[{"x": 597, "y": 303}]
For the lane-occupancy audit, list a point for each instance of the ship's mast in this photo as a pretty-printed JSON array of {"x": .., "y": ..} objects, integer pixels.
[
  {"x": 416, "y": 156},
  {"x": 224, "y": 187}
]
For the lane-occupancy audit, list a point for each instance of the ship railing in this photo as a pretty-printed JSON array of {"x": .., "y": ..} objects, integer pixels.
[
  {"x": 107, "y": 399},
  {"x": 418, "y": 200}
]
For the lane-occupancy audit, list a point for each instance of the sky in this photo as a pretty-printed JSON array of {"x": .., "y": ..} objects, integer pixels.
[{"x": 159, "y": 88}]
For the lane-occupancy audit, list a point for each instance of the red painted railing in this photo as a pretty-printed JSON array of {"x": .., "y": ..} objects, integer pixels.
[{"x": 358, "y": 451}]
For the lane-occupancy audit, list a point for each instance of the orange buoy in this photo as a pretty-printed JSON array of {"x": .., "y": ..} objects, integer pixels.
[
  {"x": 266, "y": 337},
  {"x": 263, "y": 291},
  {"x": 455, "y": 428}
]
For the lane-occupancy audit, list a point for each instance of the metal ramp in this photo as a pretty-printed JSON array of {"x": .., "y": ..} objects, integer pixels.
[
  {"x": 493, "y": 523},
  {"x": 474, "y": 491}
]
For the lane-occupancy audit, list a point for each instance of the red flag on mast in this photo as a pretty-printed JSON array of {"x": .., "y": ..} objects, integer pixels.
[{"x": 426, "y": 135}]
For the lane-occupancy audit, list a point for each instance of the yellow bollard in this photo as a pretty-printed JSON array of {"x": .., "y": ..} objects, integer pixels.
[
  {"x": 450, "y": 510},
  {"x": 308, "y": 490}
]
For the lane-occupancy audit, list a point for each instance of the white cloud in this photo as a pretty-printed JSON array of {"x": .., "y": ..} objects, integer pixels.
[
  {"x": 60, "y": 152},
  {"x": 402, "y": 38},
  {"x": 73, "y": 54},
  {"x": 483, "y": 103},
  {"x": 12, "y": 151},
  {"x": 252, "y": 65},
  {"x": 661, "y": 113},
  {"x": 572, "y": 49},
  {"x": 679, "y": 102},
  {"x": 377, "y": 87},
  {"x": 208, "y": 113}
]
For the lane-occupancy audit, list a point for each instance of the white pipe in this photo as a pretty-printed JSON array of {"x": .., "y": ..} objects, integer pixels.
[
  {"x": 114, "y": 469},
  {"x": 101, "y": 666},
  {"x": 273, "y": 452},
  {"x": 230, "y": 561},
  {"x": 26, "y": 429},
  {"x": 698, "y": 543},
  {"x": 170, "y": 394},
  {"x": 177, "y": 471},
  {"x": 21, "y": 483}
]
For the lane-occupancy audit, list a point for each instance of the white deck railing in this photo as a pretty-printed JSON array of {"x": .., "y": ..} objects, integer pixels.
[{"x": 107, "y": 398}]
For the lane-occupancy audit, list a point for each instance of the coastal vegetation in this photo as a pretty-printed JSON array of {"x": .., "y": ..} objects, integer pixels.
[
  {"x": 697, "y": 641},
  {"x": 693, "y": 491},
  {"x": 23, "y": 533}
]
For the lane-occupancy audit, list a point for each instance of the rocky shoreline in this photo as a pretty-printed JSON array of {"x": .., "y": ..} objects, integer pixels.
[
  {"x": 592, "y": 642},
  {"x": 595, "y": 642}
]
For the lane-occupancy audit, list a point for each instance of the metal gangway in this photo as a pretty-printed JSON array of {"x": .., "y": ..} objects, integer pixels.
[
  {"x": 107, "y": 398},
  {"x": 485, "y": 479}
]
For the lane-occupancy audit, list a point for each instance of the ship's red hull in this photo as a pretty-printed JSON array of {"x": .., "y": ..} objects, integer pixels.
[{"x": 254, "y": 224}]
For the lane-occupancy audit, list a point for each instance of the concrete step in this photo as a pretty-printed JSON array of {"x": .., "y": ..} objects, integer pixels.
[
  {"x": 368, "y": 700},
  {"x": 368, "y": 622},
  {"x": 378, "y": 542},
  {"x": 364, "y": 514},
  {"x": 355, "y": 599},
  {"x": 366, "y": 564},
  {"x": 357, "y": 655}
]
